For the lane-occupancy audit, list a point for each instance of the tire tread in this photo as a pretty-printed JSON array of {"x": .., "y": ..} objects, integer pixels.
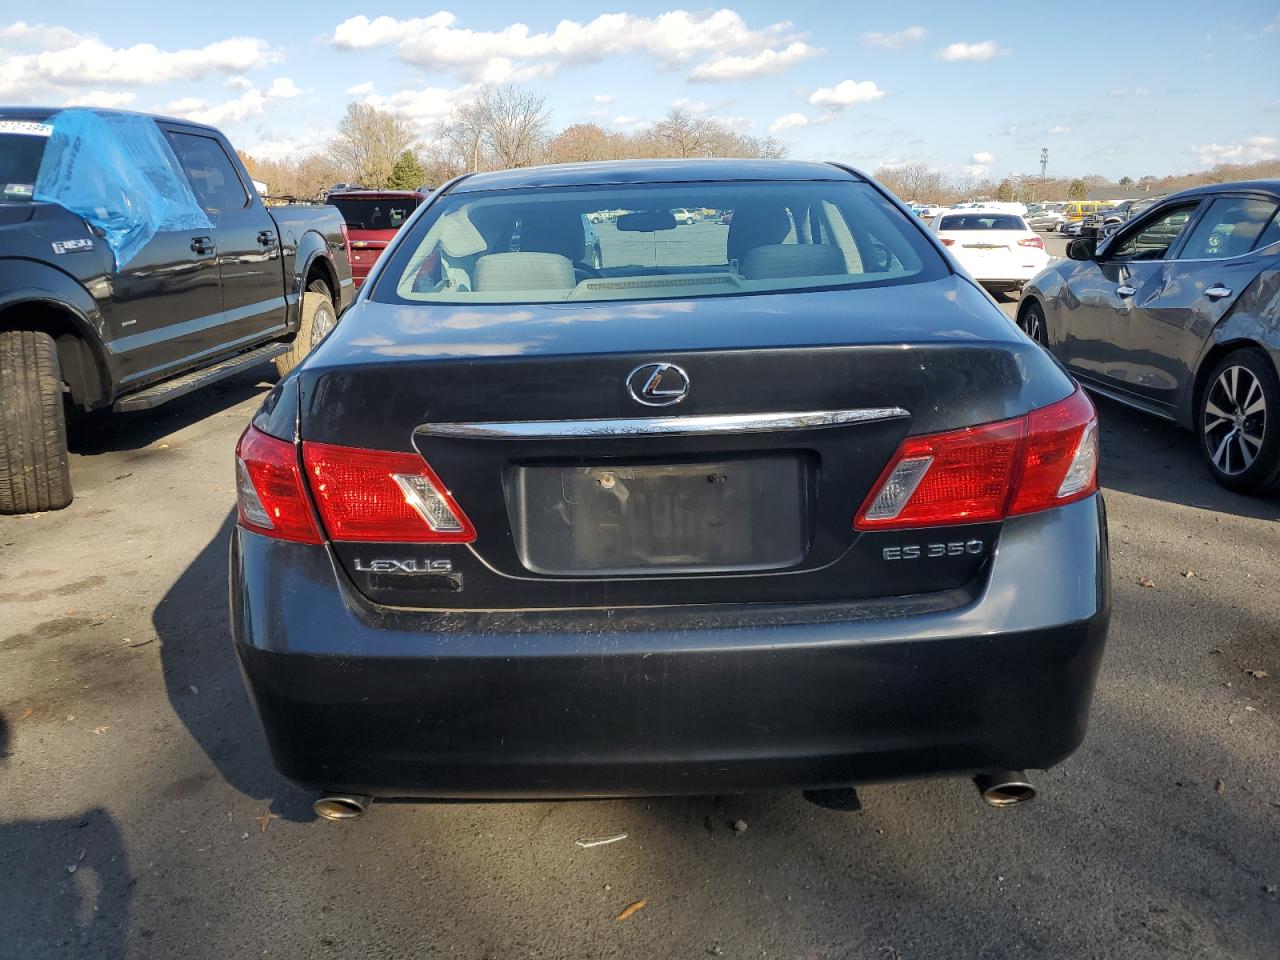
[{"x": 34, "y": 463}]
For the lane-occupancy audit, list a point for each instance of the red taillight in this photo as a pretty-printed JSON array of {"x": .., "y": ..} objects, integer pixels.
[
  {"x": 1046, "y": 459},
  {"x": 270, "y": 495},
  {"x": 378, "y": 495},
  {"x": 1059, "y": 456},
  {"x": 947, "y": 242},
  {"x": 1032, "y": 242},
  {"x": 346, "y": 241}
]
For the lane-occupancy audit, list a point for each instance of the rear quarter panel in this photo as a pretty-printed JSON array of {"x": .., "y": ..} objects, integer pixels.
[
  {"x": 308, "y": 232},
  {"x": 1255, "y": 318}
]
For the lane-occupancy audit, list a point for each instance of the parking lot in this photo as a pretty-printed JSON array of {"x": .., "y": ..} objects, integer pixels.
[{"x": 140, "y": 815}]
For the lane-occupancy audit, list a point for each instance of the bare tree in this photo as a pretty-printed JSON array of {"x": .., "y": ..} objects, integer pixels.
[
  {"x": 517, "y": 124},
  {"x": 368, "y": 142},
  {"x": 584, "y": 142},
  {"x": 501, "y": 127}
]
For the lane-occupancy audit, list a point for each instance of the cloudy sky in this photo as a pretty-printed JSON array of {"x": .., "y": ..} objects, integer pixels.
[{"x": 1109, "y": 88}]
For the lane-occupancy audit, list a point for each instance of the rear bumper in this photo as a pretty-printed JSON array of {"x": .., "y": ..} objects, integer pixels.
[{"x": 661, "y": 701}]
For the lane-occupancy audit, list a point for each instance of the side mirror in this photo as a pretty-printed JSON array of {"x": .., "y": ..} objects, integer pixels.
[{"x": 1084, "y": 248}]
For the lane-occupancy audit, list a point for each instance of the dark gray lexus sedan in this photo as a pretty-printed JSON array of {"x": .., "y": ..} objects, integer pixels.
[{"x": 775, "y": 500}]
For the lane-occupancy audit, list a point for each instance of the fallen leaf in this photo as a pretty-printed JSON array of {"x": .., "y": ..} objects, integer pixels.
[
  {"x": 632, "y": 908},
  {"x": 264, "y": 821},
  {"x": 1146, "y": 582},
  {"x": 26, "y": 714},
  {"x": 72, "y": 867},
  {"x": 1189, "y": 574},
  {"x": 740, "y": 826},
  {"x": 1258, "y": 674},
  {"x": 195, "y": 691},
  {"x": 1220, "y": 787},
  {"x": 99, "y": 731}
]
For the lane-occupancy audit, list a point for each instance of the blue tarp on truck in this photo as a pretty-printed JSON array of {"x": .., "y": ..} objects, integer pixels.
[{"x": 118, "y": 172}]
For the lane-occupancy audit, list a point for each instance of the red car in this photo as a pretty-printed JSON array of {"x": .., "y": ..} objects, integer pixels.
[{"x": 373, "y": 217}]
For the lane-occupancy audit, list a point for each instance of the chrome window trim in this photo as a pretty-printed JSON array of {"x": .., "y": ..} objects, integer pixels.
[{"x": 661, "y": 426}]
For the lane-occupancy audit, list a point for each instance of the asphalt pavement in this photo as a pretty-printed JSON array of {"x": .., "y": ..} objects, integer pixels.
[{"x": 140, "y": 815}]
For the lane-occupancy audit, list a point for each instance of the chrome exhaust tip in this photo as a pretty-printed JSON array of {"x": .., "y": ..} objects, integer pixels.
[
  {"x": 342, "y": 806},
  {"x": 1008, "y": 788}
]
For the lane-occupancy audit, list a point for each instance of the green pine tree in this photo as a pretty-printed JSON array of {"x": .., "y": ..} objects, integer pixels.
[{"x": 406, "y": 172}]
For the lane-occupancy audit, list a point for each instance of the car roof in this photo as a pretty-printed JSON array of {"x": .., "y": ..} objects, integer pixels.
[
  {"x": 1247, "y": 186},
  {"x": 611, "y": 172},
  {"x": 375, "y": 194},
  {"x": 40, "y": 114}
]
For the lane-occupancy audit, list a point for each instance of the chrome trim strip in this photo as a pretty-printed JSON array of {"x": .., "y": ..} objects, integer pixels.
[{"x": 661, "y": 426}]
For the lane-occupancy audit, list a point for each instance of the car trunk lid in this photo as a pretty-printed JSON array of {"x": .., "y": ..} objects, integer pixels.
[{"x": 582, "y": 494}]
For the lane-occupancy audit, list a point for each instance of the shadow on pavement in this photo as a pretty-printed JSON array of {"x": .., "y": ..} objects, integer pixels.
[
  {"x": 65, "y": 884},
  {"x": 202, "y": 680},
  {"x": 89, "y": 434},
  {"x": 1153, "y": 458}
]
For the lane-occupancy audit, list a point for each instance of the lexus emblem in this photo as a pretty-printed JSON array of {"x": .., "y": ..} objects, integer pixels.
[{"x": 658, "y": 384}]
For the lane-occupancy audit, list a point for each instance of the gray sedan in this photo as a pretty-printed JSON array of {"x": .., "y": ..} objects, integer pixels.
[{"x": 1178, "y": 313}]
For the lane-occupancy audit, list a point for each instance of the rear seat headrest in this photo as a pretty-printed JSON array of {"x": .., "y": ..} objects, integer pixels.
[
  {"x": 783, "y": 260},
  {"x": 524, "y": 271}
]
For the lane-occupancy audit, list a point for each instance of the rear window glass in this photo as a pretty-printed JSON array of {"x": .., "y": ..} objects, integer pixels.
[
  {"x": 22, "y": 145},
  {"x": 982, "y": 221},
  {"x": 655, "y": 241},
  {"x": 375, "y": 214}
]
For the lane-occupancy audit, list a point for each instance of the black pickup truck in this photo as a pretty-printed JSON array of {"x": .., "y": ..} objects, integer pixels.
[{"x": 187, "y": 308}]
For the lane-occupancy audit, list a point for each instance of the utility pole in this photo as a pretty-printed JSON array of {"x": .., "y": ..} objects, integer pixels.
[{"x": 1044, "y": 161}]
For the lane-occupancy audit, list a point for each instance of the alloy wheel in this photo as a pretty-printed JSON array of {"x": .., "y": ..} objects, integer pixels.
[
  {"x": 1235, "y": 420},
  {"x": 1033, "y": 325}
]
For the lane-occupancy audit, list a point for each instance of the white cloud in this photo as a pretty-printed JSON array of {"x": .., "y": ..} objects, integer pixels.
[
  {"x": 105, "y": 99},
  {"x": 736, "y": 124},
  {"x": 1127, "y": 92},
  {"x": 1273, "y": 26},
  {"x": 70, "y": 60},
  {"x": 239, "y": 83},
  {"x": 1059, "y": 129},
  {"x": 603, "y": 98},
  {"x": 437, "y": 43},
  {"x": 625, "y": 120},
  {"x": 251, "y": 103},
  {"x": 984, "y": 158},
  {"x": 283, "y": 88},
  {"x": 765, "y": 63},
  {"x": 283, "y": 147},
  {"x": 975, "y": 170},
  {"x": 982, "y": 50},
  {"x": 692, "y": 106},
  {"x": 426, "y": 106},
  {"x": 895, "y": 41},
  {"x": 788, "y": 121},
  {"x": 360, "y": 89},
  {"x": 38, "y": 36},
  {"x": 1247, "y": 151},
  {"x": 846, "y": 94}
]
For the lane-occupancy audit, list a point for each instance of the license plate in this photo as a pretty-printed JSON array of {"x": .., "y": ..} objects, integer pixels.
[{"x": 612, "y": 519}]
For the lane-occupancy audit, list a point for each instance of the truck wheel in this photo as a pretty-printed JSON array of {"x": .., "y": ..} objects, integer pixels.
[
  {"x": 34, "y": 470},
  {"x": 318, "y": 319}
]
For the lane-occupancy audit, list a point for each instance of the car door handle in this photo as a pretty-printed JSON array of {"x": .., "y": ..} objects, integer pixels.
[
  {"x": 202, "y": 245},
  {"x": 1124, "y": 290},
  {"x": 267, "y": 238},
  {"x": 1217, "y": 292}
]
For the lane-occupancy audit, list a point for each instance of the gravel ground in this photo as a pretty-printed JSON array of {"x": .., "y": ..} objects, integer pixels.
[{"x": 140, "y": 815}]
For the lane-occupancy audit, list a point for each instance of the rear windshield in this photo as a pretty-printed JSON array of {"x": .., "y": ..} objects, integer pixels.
[
  {"x": 379, "y": 214},
  {"x": 22, "y": 145},
  {"x": 639, "y": 242},
  {"x": 982, "y": 221}
]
